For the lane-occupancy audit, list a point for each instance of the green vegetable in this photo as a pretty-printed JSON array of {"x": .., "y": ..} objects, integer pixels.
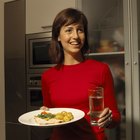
[{"x": 45, "y": 116}]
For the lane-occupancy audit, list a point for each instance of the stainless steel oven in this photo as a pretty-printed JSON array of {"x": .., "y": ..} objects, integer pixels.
[
  {"x": 37, "y": 61},
  {"x": 37, "y": 51}
]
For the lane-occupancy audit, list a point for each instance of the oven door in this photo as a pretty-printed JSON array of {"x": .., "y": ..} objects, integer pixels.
[
  {"x": 37, "y": 52},
  {"x": 34, "y": 98}
]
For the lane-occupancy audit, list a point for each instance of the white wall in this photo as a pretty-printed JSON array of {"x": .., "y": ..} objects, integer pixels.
[{"x": 2, "y": 106}]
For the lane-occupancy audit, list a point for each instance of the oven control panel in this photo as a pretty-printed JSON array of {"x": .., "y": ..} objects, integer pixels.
[{"x": 34, "y": 80}]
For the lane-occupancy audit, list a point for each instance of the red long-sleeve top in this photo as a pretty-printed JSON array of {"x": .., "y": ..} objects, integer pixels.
[{"x": 67, "y": 86}]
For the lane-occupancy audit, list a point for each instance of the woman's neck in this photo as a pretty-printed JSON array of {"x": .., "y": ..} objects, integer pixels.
[{"x": 71, "y": 60}]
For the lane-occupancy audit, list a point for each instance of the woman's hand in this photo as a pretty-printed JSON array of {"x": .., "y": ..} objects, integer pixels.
[
  {"x": 105, "y": 118},
  {"x": 44, "y": 108}
]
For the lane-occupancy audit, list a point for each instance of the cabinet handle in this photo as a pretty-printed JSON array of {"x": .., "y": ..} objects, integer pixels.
[
  {"x": 135, "y": 63},
  {"x": 47, "y": 27},
  {"x": 44, "y": 27},
  {"x": 126, "y": 63}
]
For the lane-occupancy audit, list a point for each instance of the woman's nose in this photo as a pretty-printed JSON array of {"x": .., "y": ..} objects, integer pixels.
[{"x": 75, "y": 34}]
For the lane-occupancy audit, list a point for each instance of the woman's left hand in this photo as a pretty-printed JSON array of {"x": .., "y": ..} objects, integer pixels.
[{"x": 105, "y": 118}]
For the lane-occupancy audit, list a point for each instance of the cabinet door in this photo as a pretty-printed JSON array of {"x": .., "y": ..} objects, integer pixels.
[
  {"x": 41, "y": 13},
  {"x": 15, "y": 80},
  {"x": 106, "y": 40},
  {"x": 136, "y": 67}
]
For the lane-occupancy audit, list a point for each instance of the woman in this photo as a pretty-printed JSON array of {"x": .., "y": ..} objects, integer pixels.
[{"x": 67, "y": 83}]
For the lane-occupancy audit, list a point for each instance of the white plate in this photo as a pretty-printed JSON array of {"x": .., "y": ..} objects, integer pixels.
[{"x": 28, "y": 118}]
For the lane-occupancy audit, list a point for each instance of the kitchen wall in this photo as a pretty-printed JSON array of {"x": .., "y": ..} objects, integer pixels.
[{"x": 2, "y": 114}]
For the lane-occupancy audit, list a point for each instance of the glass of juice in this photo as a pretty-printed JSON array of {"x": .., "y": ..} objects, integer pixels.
[{"x": 96, "y": 103}]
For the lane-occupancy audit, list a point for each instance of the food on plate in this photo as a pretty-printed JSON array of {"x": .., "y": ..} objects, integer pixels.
[{"x": 50, "y": 118}]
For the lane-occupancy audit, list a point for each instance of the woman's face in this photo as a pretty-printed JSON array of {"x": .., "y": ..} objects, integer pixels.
[{"x": 72, "y": 38}]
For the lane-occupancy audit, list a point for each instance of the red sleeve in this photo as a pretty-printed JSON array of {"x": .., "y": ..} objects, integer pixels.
[
  {"x": 109, "y": 97},
  {"x": 45, "y": 91}
]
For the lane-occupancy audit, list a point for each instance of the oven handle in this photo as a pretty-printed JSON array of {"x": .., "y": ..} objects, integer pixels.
[{"x": 34, "y": 88}]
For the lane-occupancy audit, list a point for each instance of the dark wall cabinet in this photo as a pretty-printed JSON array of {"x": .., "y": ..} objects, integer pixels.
[{"x": 15, "y": 76}]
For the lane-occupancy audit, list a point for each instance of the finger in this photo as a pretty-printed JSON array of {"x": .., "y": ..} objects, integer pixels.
[
  {"x": 104, "y": 112},
  {"x": 104, "y": 118},
  {"x": 106, "y": 123}
]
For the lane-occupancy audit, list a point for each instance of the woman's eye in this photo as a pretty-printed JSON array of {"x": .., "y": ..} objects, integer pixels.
[
  {"x": 81, "y": 30},
  {"x": 68, "y": 30}
]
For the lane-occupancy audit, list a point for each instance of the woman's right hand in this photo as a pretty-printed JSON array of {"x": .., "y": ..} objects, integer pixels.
[{"x": 44, "y": 108}]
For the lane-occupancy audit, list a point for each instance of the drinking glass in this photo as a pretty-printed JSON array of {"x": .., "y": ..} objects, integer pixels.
[{"x": 96, "y": 103}]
